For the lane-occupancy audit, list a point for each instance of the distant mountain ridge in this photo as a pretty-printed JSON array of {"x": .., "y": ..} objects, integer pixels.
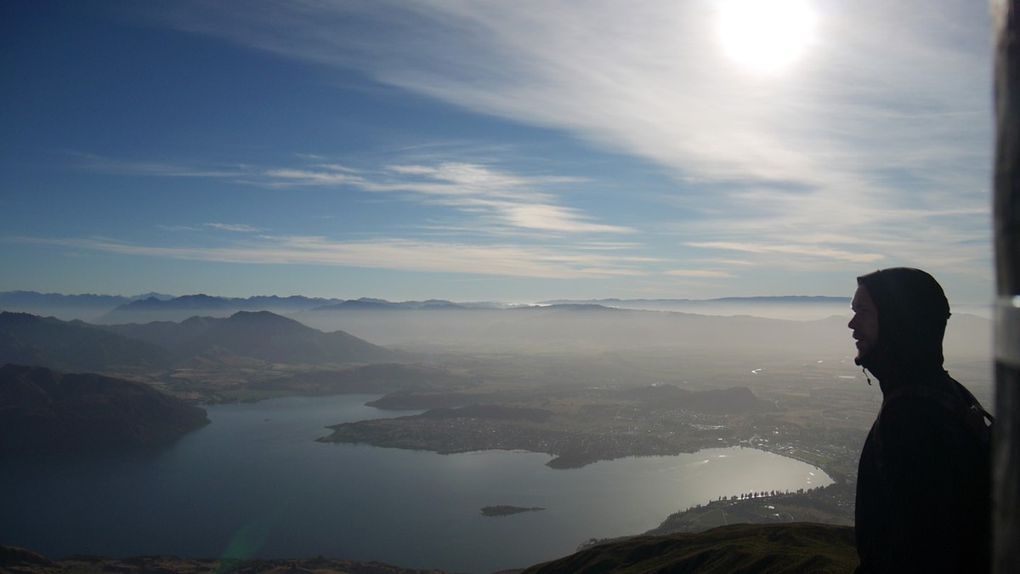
[
  {"x": 178, "y": 308},
  {"x": 369, "y": 303},
  {"x": 271, "y": 337},
  {"x": 788, "y": 299},
  {"x": 71, "y": 345},
  {"x": 86, "y": 306},
  {"x": 203, "y": 301},
  {"x": 76, "y": 345},
  {"x": 149, "y": 307},
  {"x": 18, "y": 298}
]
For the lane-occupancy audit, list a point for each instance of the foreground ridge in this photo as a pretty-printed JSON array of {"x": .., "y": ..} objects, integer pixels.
[
  {"x": 793, "y": 548},
  {"x": 799, "y": 547},
  {"x": 19, "y": 561}
]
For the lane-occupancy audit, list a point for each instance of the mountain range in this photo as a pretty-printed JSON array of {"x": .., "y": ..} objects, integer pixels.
[
  {"x": 639, "y": 303},
  {"x": 28, "y": 339},
  {"x": 261, "y": 335},
  {"x": 154, "y": 309},
  {"x": 160, "y": 307}
]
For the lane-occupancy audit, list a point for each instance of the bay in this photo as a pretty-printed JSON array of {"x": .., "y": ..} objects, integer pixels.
[{"x": 254, "y": 483}]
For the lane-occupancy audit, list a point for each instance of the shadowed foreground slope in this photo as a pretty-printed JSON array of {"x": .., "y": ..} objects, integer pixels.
[
  {"x": 735, "y": 549},
  {"x": 19, "y": 561},
  {"x": 45, "y": 411},
  {"x": 801, "y": 548}
]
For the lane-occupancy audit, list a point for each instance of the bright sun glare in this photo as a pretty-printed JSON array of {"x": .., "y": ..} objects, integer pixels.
[{"x": 766, "y": 35}]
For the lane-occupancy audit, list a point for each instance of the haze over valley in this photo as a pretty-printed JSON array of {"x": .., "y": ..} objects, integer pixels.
[{"x": 580, "y": 384}]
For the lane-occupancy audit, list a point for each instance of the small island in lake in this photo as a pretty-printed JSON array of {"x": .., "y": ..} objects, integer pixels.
[{"x": 506, "y": 510}]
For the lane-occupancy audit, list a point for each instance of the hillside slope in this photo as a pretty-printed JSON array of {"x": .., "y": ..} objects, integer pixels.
[
  {"x": 71, "y": 345},
  {"x": 19, "y": 561},
  {"x": 47, "y": 411},
  {"x": 797, "y": 548},
  {"x": 256, "y": 334},
  {"x": 800, "y": 548}
]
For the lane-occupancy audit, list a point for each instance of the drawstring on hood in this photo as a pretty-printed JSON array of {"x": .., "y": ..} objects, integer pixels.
[{"x": 912, "y": 315}]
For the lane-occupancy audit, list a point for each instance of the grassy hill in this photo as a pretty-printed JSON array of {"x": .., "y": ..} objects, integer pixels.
[{"x": 796, "y": 548}]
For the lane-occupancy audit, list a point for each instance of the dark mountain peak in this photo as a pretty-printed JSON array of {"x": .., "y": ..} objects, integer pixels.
[
  {"x": 14, "y": 317},
  {"x": 265, "y": 320},
  {"x": 152, "y": 295},
  {"x": 258, "y": 316},
  {"x": 193, "y": 321},
  {"x": 200, "y": 299}
]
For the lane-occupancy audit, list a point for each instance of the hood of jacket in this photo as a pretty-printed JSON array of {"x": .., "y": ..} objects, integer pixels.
[{"x": 912, "y": 315}]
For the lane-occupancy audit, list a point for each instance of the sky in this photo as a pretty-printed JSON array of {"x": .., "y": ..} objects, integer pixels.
[{"x": 499, "y": 151}]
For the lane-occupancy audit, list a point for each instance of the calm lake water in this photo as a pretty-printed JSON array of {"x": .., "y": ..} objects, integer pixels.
[{"x": 254, "y": 483}]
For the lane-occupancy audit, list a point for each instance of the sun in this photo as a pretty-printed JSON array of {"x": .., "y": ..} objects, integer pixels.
[{"x": 766, "y": 35}]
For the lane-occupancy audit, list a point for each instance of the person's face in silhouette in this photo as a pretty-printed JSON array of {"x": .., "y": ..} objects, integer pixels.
[{"x": 864, "y": 322}]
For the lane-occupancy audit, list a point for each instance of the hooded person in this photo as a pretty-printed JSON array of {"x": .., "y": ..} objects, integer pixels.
[{"x": 923, "y": 482}]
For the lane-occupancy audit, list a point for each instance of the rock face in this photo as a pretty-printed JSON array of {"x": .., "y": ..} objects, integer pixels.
[
  {"x": 736, "y": 549},
  {"x": 45, "y": 411}
]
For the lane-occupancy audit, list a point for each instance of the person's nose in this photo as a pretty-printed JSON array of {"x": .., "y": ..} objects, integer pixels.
[{"x": 850, "y": 325}]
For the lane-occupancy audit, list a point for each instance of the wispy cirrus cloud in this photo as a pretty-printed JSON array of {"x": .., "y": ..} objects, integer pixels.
[
  {"x": 547, "y": 262},
  {"x": 700, "y": 273},
  {"x": 814, "y": 251},
  {"x": 234, "y": 227},
  {"x": 878, "y": 132},
  {"x": 501, "y": 199}
]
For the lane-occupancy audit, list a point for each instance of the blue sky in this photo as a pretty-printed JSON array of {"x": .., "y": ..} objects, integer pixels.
[{"x": 511, "y": 151}]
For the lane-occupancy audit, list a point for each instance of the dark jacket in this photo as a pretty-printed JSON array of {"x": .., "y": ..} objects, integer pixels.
[{"x": 923, "y": 484}]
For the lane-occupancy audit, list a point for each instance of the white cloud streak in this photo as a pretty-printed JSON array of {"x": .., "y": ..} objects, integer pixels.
[
  {"x": 510, "y": 200},
  {"x": 234, "y": 227},
  {"x": 395, "y": 254},
  {"x": 506, "y": 200},
  {"x": 880, "y": 136},
  {"x": 700, "y": 273},
  {"x": 806, "y": 250}
]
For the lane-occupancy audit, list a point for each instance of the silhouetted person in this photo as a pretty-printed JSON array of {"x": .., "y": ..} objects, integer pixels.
[{"x": 923, "y": 483}]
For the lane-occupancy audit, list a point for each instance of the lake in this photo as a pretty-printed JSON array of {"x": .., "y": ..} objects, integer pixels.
[{"x": 255, "y": 483}]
